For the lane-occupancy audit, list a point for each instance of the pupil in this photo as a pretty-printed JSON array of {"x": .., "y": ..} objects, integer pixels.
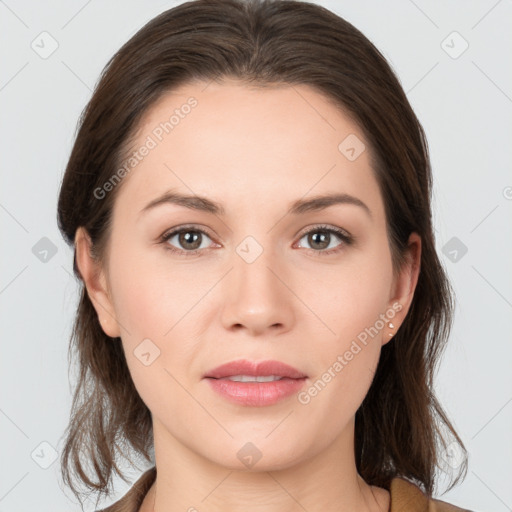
[
  {"x": 187, "y": 238},
  {"x": 320, "y": 237}
]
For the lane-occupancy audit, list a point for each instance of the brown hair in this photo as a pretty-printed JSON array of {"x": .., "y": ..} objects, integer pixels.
[{"x": 261, "y": 42}]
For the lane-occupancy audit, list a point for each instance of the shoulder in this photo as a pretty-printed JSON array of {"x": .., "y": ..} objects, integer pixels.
[
  {"x": 408, "y": 497},
  {"x": 132, "y": 500}
]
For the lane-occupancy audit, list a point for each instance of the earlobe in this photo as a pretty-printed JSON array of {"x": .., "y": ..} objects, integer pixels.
[
  {"x": 95, "y": 282},
  {"x": 404, "y": 286}
]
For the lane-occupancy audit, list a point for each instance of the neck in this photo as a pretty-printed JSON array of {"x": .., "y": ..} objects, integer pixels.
[{"x": 327, "y": 481}]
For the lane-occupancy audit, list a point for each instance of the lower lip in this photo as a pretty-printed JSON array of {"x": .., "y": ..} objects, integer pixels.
[{"x": 256, "y": 394}]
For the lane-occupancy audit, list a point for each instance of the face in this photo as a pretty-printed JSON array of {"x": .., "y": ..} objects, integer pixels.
[{"x": 257, "y": 279}]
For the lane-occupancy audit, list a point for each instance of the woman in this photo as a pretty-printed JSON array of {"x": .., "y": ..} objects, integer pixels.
[{"x": 262, "y": 306}]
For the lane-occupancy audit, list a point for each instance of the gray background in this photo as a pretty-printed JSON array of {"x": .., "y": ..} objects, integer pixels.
[{"x": 464, "y": 101}]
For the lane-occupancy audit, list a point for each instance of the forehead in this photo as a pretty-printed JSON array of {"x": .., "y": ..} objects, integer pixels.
[{"x": 247, "y": 147}]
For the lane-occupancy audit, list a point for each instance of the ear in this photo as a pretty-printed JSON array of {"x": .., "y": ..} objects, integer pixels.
[
  {"x": 95, "y": 281},
  {"x": 404, "y": 285}
]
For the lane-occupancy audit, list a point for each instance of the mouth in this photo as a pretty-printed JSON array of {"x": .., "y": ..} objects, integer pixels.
[
  {"x": 255, "y": 384},
  {"x": 250, "y": 371},
  {"x": 253, "y": 378}
]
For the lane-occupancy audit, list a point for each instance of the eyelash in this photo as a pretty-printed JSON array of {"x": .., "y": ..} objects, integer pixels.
[{"x": 345, "y": 238}]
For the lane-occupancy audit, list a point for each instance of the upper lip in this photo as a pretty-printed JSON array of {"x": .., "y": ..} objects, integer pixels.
[{"x": 255, "y": 369}]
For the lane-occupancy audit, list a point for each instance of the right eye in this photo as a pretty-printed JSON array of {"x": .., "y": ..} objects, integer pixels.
[{"x": 190, "y": 239}]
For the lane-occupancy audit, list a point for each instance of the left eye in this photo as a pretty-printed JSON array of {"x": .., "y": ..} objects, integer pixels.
[{"x": 321, "y": 237}]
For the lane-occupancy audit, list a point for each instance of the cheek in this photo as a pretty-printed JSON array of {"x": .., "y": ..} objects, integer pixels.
[
  {"x": 153, "y": 305},
  {"x": 352, "y": 299},
  {"x": 348, "y": 297},
  {"x": 148, "y": 298},
  {"x": 139, "y": 304},
  {"x": 150, "y": 306}
]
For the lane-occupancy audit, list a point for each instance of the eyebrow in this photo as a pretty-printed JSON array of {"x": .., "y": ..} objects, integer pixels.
[{"x": 298, "y": 207}]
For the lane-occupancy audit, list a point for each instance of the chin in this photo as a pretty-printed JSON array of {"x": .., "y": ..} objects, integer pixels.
[{"x": 255, "y": 456}]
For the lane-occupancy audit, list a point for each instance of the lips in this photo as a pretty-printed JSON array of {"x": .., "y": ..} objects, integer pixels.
[
  {"x": 255, "y": 369},
  {"x": 232, "y": 381}
]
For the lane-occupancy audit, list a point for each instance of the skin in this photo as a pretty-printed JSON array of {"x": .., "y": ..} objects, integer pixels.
[{"x": 255, "y": 151}]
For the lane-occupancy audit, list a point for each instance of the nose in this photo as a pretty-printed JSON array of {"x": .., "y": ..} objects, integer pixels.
[{"x": 257, "y": 297}]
